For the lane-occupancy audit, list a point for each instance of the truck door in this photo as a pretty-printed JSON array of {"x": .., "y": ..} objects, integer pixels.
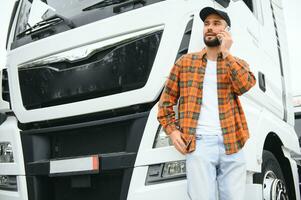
[{"x": 270, "y": 62}]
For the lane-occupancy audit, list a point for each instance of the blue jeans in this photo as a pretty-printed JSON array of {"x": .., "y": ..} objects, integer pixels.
[{"x": 211, "y": 174}]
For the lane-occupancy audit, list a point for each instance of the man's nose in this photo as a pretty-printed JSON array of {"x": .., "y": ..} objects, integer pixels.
[{"x": 209, "y": 29}]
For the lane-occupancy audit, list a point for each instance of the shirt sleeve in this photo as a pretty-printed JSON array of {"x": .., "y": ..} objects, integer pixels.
[
  {"x": 169, "y": 98},
  {"x": 242, "y": 79}
]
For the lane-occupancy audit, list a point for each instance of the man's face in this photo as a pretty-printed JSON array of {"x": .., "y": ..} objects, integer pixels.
[{"x": 213, "y": 25}]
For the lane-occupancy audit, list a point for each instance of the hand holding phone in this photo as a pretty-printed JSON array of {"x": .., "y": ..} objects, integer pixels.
[
  {"x": 226, "y": 41},
  {"x": 226, "y": 29}
]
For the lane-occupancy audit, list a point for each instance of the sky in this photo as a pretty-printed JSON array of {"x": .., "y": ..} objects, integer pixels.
[{"x": 291, "y": 14}]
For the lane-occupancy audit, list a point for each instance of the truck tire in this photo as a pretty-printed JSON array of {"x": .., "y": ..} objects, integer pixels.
[{"x": 271, "y": 178}]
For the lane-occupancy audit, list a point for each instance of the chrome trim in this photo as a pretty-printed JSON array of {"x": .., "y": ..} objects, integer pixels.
[{"x": 85, "y": 51}]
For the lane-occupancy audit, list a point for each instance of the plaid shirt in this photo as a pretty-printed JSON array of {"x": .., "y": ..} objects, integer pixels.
[{"x": 184, "y": 86}]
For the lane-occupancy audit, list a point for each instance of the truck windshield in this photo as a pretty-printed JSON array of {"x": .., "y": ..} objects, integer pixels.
[{"x": 34, "y": 15}]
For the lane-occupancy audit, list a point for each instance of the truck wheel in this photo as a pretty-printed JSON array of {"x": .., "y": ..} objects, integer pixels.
[{"x": 271, "y": 178}]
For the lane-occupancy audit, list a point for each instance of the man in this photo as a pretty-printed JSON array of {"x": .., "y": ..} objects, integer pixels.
[{"x": 211, "y": 128}]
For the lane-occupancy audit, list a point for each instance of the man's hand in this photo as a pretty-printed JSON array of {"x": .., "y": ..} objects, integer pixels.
[
  {"x": 226, "y": 42},
  {"x": 178, "y": 142}
]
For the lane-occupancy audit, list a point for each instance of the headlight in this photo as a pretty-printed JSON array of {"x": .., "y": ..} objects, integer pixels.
[
  {"x": 6, "y": 152},
  {"x": 8, "y": 183},
  {"x": 169, "y": 171},
  {"x": 162, "y": 140},
  {"x": 174, "y": 169}
]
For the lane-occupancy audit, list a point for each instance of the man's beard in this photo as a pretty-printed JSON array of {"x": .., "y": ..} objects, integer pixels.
[{"x": 212, "y": 43}]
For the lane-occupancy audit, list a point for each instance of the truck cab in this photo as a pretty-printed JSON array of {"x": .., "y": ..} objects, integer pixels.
[{"x": 84, "y": 82}]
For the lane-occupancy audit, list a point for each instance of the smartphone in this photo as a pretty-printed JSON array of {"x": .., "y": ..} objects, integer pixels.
[{"x": 226, "y": 29}]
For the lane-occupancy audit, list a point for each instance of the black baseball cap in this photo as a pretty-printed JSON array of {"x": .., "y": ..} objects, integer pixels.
[{"x": 209, "y": 10}]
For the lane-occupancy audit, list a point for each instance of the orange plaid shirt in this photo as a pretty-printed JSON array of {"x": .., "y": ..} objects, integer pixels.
[{"x": 184, "y": 87}]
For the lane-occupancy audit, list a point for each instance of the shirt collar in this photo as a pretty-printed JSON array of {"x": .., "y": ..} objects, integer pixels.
[{"x": 203, "y": 55}]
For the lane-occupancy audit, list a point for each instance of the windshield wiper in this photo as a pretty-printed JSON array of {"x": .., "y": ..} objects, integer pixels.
[
  {"x": 103, "y": 4},
  {"x": 55, "y": 19}
]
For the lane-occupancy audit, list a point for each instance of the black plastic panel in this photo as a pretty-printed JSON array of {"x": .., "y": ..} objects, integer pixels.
[
  {"x": 185, "y": 40},
  {"x": 115, "y": 139},
  {"x": 121, "y": 68},
  {"x": 5, "y": 86},
  {"x": 109, "y": 185},
  {"x": 118, "y": 134}
]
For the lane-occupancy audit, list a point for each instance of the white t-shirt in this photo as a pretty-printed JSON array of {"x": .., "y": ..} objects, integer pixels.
[{"x": 208, "y": 122}]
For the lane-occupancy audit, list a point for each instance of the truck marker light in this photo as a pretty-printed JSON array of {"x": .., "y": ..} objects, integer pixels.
[{"x": 95, "y": 162}]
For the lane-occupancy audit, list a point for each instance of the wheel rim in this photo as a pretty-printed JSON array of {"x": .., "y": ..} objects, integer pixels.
[{"x": 273, "y": 188}]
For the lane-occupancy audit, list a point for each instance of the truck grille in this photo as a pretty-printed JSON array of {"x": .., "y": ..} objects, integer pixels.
[
  {"x": 120, "y": 68},
  {"x": 116, "y": 140}
]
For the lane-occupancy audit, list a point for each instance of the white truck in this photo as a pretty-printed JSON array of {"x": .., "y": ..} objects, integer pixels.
[{"x": 80, "y": 93}]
